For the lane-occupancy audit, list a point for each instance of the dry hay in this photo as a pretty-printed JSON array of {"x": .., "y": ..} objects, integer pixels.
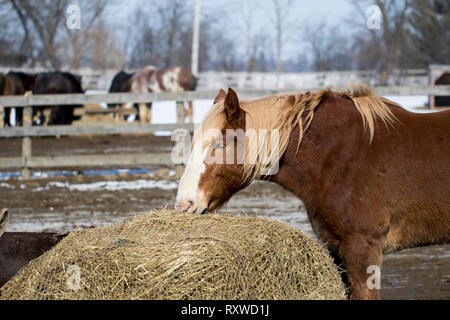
[{"x": 169, "y": 255}]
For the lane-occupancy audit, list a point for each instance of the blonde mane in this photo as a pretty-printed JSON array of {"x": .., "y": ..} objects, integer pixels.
[{"x": 284, "y": 112}]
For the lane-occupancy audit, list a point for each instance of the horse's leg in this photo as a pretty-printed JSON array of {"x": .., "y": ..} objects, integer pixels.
[
  {"x": 338, "y": 261},
  {"x": 2, "y": 117},
  {"x": 126, "y": 106},
  {"x": 189, "y": 111},
  {"x": 34, "y": 115},
  {"x": 19, "y": 116},
  {"x": 142, "y": 112},
  {"x": 7, "y": 117},
  {"x": 362, "y": 256},
  {"x": 149, "y": 112},
  {"x": 46, "y": 114}
]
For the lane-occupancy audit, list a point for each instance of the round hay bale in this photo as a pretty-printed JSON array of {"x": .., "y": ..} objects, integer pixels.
[{"x": 170, "y": 255}]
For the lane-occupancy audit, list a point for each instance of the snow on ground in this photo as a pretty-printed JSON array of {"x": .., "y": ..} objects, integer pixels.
[
  {"x": 112, "y": 185},
  {"x": 412, "y": 103}
]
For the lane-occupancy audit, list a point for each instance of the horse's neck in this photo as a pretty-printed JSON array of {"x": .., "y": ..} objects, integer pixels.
[
  {"x": 304, "y": 172},
  {"x": 296, "y": 175}
]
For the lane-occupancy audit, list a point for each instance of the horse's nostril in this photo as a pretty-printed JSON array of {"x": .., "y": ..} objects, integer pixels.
[{"x": 185, "y": 206}]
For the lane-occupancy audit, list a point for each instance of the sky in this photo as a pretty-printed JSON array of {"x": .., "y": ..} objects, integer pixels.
[
  {"x": 306, "y": 12},
  {"x": 331, "y": 10}
]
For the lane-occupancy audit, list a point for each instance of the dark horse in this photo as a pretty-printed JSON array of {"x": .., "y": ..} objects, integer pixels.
[
  {"x": 15, "y": 83},
  {"x": 373, "y": 177},
  {"x": 443, "y": 101},
  {"x": 120, "y": 83},
  {"x": 56, "y": 83}
]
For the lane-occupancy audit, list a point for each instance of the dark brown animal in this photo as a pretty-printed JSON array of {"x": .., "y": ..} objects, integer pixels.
[
  {"x": 443, "y": 101},
  {"x": 16, "y": 83},
  {"x": 17, "y": 249},
  {"x": 56, "y": 83},
  {"x": 373, "y": 177}
]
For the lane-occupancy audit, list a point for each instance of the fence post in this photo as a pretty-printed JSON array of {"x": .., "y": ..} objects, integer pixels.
[
  {"x": 431, "y": 101},
  {"x": 26, "y": 142},
  {"x": 179, "y": 169},
  {"x": 180, "y": 112}
]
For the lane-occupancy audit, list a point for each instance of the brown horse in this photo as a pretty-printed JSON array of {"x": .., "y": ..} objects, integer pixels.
[
  {"x": 150, "y": 79},
  {"x": 15, "y": 83},
  {"x": 442, "y": 101},
  {"x": 373, "y": 177}
]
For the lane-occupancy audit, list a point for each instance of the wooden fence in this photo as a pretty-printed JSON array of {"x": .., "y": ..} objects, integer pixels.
[{"x": 27, "y": 162}]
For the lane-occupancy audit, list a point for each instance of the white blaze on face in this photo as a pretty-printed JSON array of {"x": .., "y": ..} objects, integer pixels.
[{"x": 189, "y": 197}]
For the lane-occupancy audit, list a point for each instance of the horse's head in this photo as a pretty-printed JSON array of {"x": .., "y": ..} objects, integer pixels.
[
  {"x": 214, "y": 170},
  {"x": 3, "y": 221}
]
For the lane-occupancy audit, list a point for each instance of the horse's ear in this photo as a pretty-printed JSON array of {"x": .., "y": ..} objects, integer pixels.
[
  {"x": 221, "y": 96},
  {"x": 232, "y": 108}
]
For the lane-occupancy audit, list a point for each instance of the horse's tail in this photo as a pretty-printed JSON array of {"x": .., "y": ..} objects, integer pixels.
[{"x": 193, "y": 80}]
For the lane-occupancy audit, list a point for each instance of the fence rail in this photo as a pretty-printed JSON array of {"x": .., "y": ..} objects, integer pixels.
[
  {"x": 74, "y": 99},
  {"x": 27, "y": 162},
  {"x": 90, "y": 130}
]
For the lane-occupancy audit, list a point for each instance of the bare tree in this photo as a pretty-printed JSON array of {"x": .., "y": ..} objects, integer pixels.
[
  {"x": 330, "y": 50},
  {"x": 79, "y": 42},
  {"x": 390, "y": 37},
  {"x": 428, "y": 38},
  {"x": 248, "y": 11},
  {"x": 171, "y": 14},
  {"x": 394, "y": 20},
  {"x": 45, "y": 17},
  {"x": 282, "y": 20},
  {"x": 43, "y": 29}
]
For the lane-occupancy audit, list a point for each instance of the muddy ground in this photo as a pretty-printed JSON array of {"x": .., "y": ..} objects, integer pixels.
[{"x": 67, "y": 203}]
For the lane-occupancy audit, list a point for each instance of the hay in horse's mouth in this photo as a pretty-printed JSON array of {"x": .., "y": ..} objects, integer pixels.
[{"x": 171, "y": 255}]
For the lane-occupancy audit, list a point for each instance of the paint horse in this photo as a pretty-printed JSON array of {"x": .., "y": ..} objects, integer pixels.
[
  {"x": 121, "y": 83},
  {"x": 373, "y": 177},
  {"x": 150, "y": 79}
]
